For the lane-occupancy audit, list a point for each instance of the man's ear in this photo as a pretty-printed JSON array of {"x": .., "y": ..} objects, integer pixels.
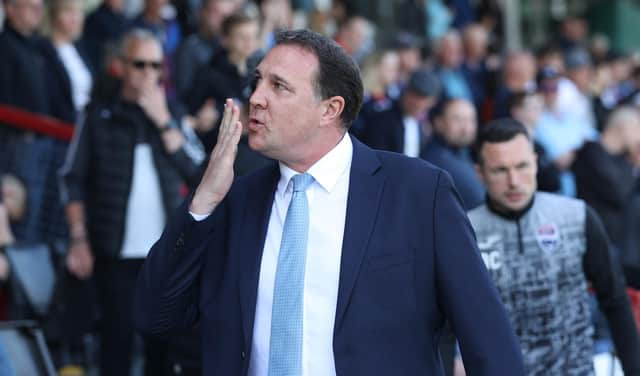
[{"x": 332, "y": 110}]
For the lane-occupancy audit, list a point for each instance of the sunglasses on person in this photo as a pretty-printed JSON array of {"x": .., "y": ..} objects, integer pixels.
[{"x": 142, "y": 64}]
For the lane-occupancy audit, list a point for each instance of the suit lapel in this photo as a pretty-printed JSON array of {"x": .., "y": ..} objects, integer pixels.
[
  {"x": 254, "y": 230},
  {"x": 366, "y": 183}
]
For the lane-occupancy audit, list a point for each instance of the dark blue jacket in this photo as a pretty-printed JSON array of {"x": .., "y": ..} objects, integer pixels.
[
  {"x": 458, "y": 163},
  {"x": 23, "y": 81},
  {"x": 409, "y": 262},
  {"x": 384, "y": 130},
  {"x": 59, "y": 84}
]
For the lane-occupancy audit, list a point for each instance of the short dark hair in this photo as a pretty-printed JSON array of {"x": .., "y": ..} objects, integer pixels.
[
  {"x": 497, "y": 131},
  {"x": 338, "y": 74},
  {"x": 235, "y": 19},
  {"x": 517, "y": 99}
]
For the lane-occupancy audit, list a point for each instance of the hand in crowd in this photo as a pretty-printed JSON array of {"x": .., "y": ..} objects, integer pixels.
[
  {"x": 6, "y": 238},
  {"x": 154, "y": 103},
  {"x": 276, "y": 13},
  {"x": 634, "y": 156},
  {"x": 80, "y": 259},
  {"x": 565, "y": 161},
  {"x": 217, "y": 179},
  {"x": 207, "y": 116}
]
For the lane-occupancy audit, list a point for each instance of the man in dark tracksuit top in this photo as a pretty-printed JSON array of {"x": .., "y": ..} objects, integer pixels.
[{"x": 541, "y": 249}]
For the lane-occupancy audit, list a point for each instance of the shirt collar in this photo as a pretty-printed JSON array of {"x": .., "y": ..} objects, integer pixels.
[{"x": 326, "y": 171}]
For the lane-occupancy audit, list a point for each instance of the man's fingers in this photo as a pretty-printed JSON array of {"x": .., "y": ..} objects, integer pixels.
[
  {"x": 231, "y": 116},
  {"x": 237, "y": 133},
  {"x": 224, "y": 124},
  {"x": 229, "y": 143}
]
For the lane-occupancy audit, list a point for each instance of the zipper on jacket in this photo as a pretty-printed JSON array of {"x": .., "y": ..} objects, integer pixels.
[{"x": 520, "y": 242}]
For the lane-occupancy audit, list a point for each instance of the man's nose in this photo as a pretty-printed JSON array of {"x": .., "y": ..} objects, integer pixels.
[
  {"x": 257, "y": 98},
  {"x": 513, "y": 177}
]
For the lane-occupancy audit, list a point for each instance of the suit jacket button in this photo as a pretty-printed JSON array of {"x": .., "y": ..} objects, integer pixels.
[{"x": 243, "y": 355}]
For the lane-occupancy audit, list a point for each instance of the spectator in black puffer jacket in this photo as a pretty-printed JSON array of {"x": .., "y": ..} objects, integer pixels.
[{"x": 124, "y": 174}]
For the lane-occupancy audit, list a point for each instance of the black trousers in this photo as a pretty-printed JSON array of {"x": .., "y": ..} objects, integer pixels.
[{"x": 116, "y": 281}]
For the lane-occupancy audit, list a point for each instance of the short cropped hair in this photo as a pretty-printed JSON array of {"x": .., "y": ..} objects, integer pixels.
[
  {"x": 497, "y": 131},
  {"x": 338, "y": 74},
  {"x": 136, "y": 35}
]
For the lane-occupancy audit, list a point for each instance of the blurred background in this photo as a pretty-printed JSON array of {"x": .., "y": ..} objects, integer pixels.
[{"x": 568, "y": 69}]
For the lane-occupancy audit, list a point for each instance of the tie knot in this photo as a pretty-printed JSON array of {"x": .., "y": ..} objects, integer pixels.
[{"x": 301, "y": 182}]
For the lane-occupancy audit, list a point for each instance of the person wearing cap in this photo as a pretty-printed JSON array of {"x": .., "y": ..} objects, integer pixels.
[
  {"x": 403, "y": 127},
  {"x": 454, "y": 130},
  {"x": 574, "y": 91},
  {"x": 560, "y": 133}
]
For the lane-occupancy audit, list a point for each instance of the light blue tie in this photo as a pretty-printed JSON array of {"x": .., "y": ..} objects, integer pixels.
[{"x": 285, "y": 349}]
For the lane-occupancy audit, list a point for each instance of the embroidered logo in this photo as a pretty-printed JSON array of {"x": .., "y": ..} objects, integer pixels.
[
  {"x": 490, "y": 250},
  {"x": 548, "y": 237}
]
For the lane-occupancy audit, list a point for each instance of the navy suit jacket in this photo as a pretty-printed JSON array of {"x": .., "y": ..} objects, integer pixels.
[
  {"x": 384, "y": 130},
  {"x": 409, "y": 261}
]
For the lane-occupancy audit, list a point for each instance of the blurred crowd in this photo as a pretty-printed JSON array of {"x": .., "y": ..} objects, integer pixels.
[{"x": 145, "y": 93}]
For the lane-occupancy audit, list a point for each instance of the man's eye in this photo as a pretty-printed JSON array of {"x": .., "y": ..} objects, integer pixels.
[{"x": 279, "y": 86}]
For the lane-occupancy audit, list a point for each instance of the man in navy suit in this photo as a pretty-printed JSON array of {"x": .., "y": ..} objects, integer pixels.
[
  {"x": 403, "y": 127},
  {"x": 384, "y": 252}
]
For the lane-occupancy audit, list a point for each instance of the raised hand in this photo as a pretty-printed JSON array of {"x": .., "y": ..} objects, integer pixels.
[
  {"x": 154, "y": 103},
  {"x": 80, "y": 259},
  {"x": 218, "y": 177}
]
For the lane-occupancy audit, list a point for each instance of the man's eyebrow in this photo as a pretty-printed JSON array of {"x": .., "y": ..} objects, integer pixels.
[
  {"x": 275, "y": 78},
  {"x": 278, "y": 78}
]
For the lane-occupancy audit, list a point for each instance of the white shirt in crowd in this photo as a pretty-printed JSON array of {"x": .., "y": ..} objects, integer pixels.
[
  {"x": 79, "y": 75},
  {"x": 411, "y": 137},
  {"x": 145, "y": 218}
]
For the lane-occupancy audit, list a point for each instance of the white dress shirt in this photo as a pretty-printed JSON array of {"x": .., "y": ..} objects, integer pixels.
[
  {"x": 411, "y": 137},
  {"x": 327, "y": 197}
]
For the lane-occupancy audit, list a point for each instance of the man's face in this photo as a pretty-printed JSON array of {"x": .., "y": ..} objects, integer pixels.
[
  {"x": 476, "y": 42},
  {"x": 24, "y": 15},
  {"x": 457, "y": 124},
  {"x": 530, "y": 111},
  {"x": 389, "y": 68},
  {"x": 115, "y": 5},
  {"x": 285, "y": 111},
  {"x": 142, "y": 65},
  {"x": 243, "y": 39},
  {"x": 154, "y": 6},
  {"x": 582, "y": 77},
  {"x": 69, "y": 20},
  {"x": 451, "y": 52},
  {"x": 630, "y": 133},
  {"x": 409, "y": 59},
  {"x": 508, "y": 170},
  {"x": 215, "y": 12},
  {"x": 549, "y": 90},
  {"x": 416, "y": 105}
]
